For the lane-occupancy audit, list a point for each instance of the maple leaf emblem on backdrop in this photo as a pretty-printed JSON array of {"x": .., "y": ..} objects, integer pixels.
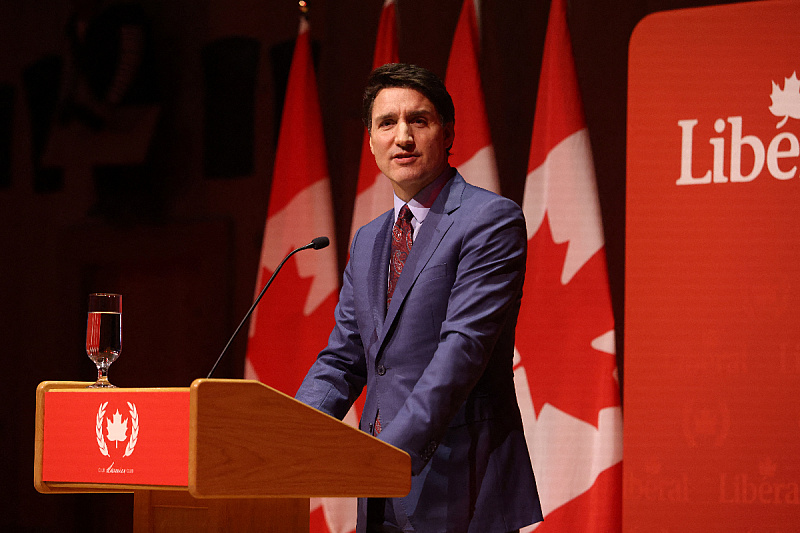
[
  {"x": 555, "y": 340},
  {"x": 786, "y": 101},
  {"x": 116, "y": 428}
]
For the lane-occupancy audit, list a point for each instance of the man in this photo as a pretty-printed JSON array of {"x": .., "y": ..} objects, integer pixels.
[{"x": 431, "y": 332}]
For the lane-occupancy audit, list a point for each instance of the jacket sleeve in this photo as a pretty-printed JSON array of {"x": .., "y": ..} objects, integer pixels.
[{"x": 339, "y": 373}]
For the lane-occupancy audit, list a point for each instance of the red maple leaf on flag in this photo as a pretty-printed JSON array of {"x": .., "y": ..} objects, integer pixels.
[
  {"x": 286, "y": 358},
  {"x": 556, "y": 331}
]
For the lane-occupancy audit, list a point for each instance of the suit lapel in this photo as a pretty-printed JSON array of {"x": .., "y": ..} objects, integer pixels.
[
  {"x": 379, "y": 270},
  {"x": 430, "y": 235}
]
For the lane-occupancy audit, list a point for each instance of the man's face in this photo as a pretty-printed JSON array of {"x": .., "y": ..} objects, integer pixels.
[{"x": 408, "y": 140}]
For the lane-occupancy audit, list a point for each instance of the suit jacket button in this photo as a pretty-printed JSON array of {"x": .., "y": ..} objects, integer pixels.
[{"x": 381, "y": 370}]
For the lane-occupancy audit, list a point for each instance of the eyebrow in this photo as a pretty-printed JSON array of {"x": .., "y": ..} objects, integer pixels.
[{"x": 415, "y": 113}]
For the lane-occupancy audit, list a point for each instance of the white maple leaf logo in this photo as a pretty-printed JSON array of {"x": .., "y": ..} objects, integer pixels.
[
  {"x": 786, "y": 101},
  {"x": 117, "y": 429}
]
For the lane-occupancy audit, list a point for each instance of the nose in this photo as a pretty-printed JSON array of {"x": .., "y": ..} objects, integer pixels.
[{"x": 403, "y": 135}]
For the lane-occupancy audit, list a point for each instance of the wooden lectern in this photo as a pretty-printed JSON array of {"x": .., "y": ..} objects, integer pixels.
[{"x": 221, "y": 455}]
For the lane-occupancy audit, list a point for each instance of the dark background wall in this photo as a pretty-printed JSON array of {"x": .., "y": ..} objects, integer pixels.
[{"x": 180, "y": 236}]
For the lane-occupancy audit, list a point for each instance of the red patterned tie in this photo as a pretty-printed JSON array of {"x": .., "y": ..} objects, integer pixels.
[{"x": 402, "y": 239}]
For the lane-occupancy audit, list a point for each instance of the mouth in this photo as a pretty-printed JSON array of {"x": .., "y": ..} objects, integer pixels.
[{"x": 405, "y": 157}]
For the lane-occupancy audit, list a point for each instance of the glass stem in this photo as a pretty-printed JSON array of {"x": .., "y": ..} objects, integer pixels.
[{"x": 102, "y": 374}]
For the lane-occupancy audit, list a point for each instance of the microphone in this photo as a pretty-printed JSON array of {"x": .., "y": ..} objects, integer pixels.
[{"x": 317, "y": 244}]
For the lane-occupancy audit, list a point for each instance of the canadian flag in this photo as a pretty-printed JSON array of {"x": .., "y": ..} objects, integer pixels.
[
  {"x": 373, "y": 198},
  {"x": 374, "y": 192},
  {"x": 472, "y": 153},
  {"x": 565, "y": 371},
  {"x": 292, "y": 323}
]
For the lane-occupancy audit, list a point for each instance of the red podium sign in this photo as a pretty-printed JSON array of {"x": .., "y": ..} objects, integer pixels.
[{"x": 122, "y": 437}]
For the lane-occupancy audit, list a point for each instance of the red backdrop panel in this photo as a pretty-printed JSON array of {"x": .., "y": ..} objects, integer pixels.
[{"x": 712, "y": 307}]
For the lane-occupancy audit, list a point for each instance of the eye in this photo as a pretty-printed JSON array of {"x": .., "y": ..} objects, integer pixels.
[
  {"x": 420, "y": 121},
  {"x": 385, "y": 123}
]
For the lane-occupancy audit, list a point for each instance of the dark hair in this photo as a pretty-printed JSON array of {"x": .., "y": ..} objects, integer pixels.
[{"x": 407, "y": 76}]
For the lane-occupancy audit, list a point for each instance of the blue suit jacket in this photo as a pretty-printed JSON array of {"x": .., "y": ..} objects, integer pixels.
[{"x": 438, "y": 362}]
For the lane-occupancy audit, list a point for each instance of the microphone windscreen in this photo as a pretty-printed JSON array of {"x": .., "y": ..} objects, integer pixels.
[{"x": 320, "y": 242}]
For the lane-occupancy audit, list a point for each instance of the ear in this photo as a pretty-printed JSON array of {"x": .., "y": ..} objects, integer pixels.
[
  {"x": 449, "y": 135},
  {"x": 371, "y": 149}
]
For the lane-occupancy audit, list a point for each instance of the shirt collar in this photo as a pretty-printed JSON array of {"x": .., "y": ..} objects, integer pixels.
[{"x": 421, "y": 203}]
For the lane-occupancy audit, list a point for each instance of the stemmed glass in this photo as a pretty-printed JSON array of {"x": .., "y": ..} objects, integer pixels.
[{"x": 104, "y": 334}]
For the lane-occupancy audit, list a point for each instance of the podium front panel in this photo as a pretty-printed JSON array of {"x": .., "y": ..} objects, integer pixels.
[{"x": 116, "y": 437}]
